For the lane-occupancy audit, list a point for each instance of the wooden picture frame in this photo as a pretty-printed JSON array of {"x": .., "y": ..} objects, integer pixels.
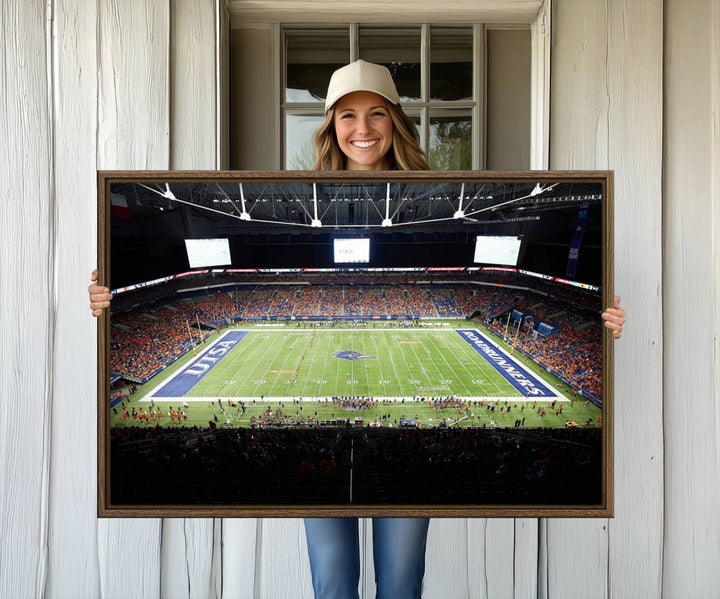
[{"x": 381, "y": 429}]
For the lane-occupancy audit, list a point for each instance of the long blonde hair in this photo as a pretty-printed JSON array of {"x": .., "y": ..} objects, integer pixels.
[{"x": 405, "y": 154}]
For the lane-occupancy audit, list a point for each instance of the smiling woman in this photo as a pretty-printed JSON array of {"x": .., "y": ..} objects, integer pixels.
[{"x": 365, "y": 128}]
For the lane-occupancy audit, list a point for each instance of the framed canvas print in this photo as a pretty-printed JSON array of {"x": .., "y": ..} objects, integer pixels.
[{"x": 355, "y": 344}]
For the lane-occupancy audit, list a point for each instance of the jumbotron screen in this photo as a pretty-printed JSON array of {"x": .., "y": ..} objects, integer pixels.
[
  {"x": 208, "y": 252},
  {"x": 501, "y": 250},
  {"x": 351, "y": 251}
]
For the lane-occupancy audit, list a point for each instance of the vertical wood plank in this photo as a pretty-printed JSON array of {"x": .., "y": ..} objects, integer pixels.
[
  {"x": 578, "y": 91},
  {"x": 190, "y": 565},
  {"x": 73, "y": 561},
  {"x": 715, "y": 190},
  {"x": 577, "y": 558},
  {"x": 27, "y": 316},
  {"x": 133, "y": 132},
  {"x": 133, "y": 102},
  {"x": 607, "y": 113},
  {"x": 476, "y": 564},
  {"x": 447, "y": 561},
  {"x": 216, "y": 569},
  {"x": 578, "y": 139},
  {"x": 187, "y": 558},
  {"x": 498, "y": 546},
  {"x": 691, "y": 318},
  {"x": 222, "y": 23},
  {"x": 239, "y": 558},
  {"x": 470, "y": 558},
  {"x": 282, "y": 569},
  {"x": 525, "y": 559},
  {"x": 542, "y": 579},
  {"x": 193, "y": 85},
  {"x": 367, "y": 560},
  {"x": 635, "y": 88}
]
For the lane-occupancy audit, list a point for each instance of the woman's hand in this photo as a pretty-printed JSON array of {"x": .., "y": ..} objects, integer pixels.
[
  {"x": 615, "y": 318},
  {"x": 99, "y": 296}
]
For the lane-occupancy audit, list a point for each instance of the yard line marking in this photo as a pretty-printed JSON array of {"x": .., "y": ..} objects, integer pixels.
[
  {"x": 454, "y": 372},
  {"x": 381, "y": 361},
  {"x": 489, "y": 376},
  {"x": 410, "y": 373}
]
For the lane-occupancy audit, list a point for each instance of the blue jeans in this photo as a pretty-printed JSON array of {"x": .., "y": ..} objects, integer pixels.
[{"x": 398, "y": 553}]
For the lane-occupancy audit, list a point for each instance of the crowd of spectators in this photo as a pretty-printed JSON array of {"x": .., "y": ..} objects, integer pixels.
[
  {"x": 216, "y": 311},
  {"x": 142, "y": 342},
  {"x": 374, "y": 303},
  {"x": 157, "y": 465},
  {"x": 307, "y": 302},
  {"x": 486, "y": 300},
  {"x": 396, "y": 300},
  {"x": 282, "y": 301},
  {"x": 352, "y": 301},
  {"x": 331, "y": 303},
  {"x": 259, "y": 303},
  {"x": 419, "y": 303},
  {"x": 445, "y": 302}
]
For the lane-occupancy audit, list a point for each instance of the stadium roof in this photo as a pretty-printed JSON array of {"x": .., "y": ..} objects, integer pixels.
[{"x": 355, "y": 203}]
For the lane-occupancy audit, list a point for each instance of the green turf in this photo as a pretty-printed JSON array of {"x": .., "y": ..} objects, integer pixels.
[
  {"x": 405, "y": 363},
  {"x": 292, "y": 362}
]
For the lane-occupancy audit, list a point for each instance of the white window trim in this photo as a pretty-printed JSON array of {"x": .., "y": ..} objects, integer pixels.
[
  {"x": 540, "y": 89},
  {"x": 384, "y": 11}
]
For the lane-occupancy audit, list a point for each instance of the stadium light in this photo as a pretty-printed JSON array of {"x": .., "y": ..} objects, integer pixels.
[
  {"x": 244, "y": 215},
  {"x": 387, "y": 221},
  {"x": 537, "y": 190},
  {"x": 316, "y": 222},
  {"x": 460, "y": 213}
]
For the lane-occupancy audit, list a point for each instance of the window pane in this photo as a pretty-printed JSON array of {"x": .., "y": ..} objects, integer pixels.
[
  {"x": 450, "y": 145},
  {"x": 451, "y": 56},
  {"x": 312, "y": 56},
  {"x": 399, "y": 50},
  {"x": 299, "y": 149},
  {"x": 508, "y": 100},
  {"x": 415, "y": 117}
]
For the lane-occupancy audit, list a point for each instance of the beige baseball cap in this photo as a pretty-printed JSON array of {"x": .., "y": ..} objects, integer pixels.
[{"x": 361, "y": 76}]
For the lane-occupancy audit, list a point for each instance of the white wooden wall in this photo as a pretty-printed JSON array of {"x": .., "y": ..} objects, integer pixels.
[
  {"x": 691, "y": 299},
  {"x": 86, "y": 85}
]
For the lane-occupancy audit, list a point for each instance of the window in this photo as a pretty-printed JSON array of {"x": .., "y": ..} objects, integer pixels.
[
  {"x": 436, "y": 70},
  {"x": 468, "y": 88}
]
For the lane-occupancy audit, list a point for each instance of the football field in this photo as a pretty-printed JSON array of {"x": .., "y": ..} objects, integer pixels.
[
  {"x": 381, "y": 363},
  {"x": 290, "y": 374}
]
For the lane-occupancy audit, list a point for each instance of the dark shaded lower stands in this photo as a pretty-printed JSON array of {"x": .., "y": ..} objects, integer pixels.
[{"x": 296, "y": 466}]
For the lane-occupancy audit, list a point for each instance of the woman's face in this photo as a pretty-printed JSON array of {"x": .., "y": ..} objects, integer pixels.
[{"x": 364, "y": 130}]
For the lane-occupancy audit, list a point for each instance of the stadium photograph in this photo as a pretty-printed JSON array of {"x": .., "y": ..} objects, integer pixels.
[{"x": 315, "y": 341}]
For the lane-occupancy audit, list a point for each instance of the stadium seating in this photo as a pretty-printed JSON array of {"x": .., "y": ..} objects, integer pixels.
[{"x": 151, "y": 335}]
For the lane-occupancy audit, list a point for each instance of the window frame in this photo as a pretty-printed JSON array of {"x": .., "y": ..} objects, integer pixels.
[{"x": 476, "y": 106}]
